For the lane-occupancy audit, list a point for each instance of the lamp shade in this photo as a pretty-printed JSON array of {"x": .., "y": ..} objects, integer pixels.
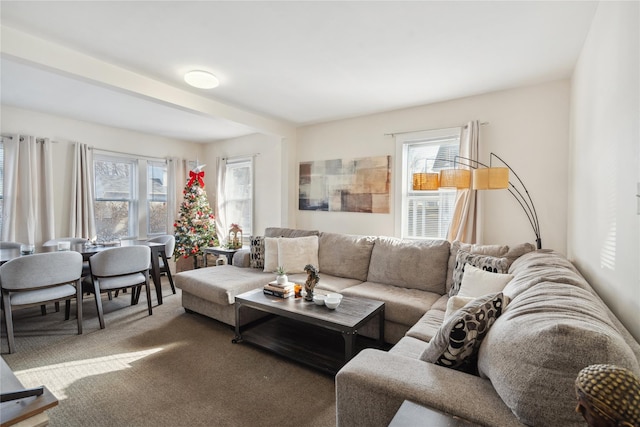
[
  {"x": 426, "y": 181},
  {"x": 490, "y": 179},
  {"x": 455, "y": 178}
]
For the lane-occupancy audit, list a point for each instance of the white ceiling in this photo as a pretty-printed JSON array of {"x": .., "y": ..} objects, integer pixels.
[{"x": 296, "y": 62}]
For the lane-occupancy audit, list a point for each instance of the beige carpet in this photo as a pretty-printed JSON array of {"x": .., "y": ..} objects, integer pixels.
[{"x": 169, "y": 369}]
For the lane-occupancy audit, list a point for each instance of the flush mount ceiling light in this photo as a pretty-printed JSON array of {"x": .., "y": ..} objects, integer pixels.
[{"x": 201, "y": 79}]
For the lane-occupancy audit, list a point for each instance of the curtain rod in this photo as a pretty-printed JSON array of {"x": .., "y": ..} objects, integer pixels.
[
  {"x": 22, "y": 139},
  {"x": 137, "y": 156},
  {"x": 239, "y": 157},
  {"x": 423, "y": 130}
]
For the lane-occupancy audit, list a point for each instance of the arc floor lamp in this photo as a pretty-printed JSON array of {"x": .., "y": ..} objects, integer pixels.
[{"x": 482, "y": 177}]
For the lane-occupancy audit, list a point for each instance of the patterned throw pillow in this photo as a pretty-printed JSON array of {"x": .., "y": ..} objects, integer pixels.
[
  {"x": 458, "y": 340},
  {"x": 484, "y": 262},
  {"x": 256, "y": 255}
]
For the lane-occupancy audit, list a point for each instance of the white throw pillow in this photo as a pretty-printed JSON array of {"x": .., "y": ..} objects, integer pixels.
[
  {"x": 296, "y": 252},
  {"x": 477, "y": 282},
  {"x": 271, "y": 254},
  {"x": 455, "y": 303}
]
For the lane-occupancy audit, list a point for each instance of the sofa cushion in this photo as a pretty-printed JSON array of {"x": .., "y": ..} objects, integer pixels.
[
  {"x": 256, "y": 247},
  {"x": 402, "y": 305},
  {"x": 344, "y": 255},
  {"x": 296, "y": 252},
  {"x": 543, "y": 265},
  {"x": 534, "y": 351},
  {"x": 477, "y": 282},
  {"x": 288, "y": 232},
  {"x": 484, "y": 262},
  {"x": 414, "y": 264},
  {"x": 327, "y": 282},
  {"x": 220, "y": 284},
  {"x": 457, "y": 342},
  {"x": 427, "y": 326}
]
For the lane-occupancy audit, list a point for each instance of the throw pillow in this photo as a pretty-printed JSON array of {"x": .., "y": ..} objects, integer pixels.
[
  {"x": 456, "y": 343},
  {"x": 477, "y": 282},
  {"x": 271, "y": 254},
  {"x": 256, "y": 252},
  {"x": 484, "y": 262},
  {"x": 295, "y": 253},
  {"x": 455, "y": 303}
]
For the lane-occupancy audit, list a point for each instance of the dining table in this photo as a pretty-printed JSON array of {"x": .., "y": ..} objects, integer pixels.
[{"x": 89, "y": 249}]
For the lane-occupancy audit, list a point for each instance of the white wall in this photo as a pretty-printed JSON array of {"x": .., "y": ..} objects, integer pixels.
[
  {"x": 67, "y": 131},
  {"x": 603, "y": 226},
  {"x": 528, "y": 128},
  {"x": 268, "y": 179}
]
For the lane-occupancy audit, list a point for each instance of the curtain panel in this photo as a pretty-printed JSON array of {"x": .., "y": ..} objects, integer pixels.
[
  {"x": 219, "y": 211},
  {"x": 28, "y": 214},
  {"x": 82, "y": 217},
  {"x": 464, "y": 224}
]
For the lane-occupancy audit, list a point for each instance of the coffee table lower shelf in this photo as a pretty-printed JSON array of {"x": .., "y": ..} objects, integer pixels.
[{"x": 307, "y": 344}]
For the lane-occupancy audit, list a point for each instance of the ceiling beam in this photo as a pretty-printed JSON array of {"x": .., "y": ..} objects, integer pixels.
[{"x": 57, "y": 58}]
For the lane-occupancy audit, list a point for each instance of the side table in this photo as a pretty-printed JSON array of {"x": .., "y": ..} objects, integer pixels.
[
  {"x": 220, "y": 251},
  {"x": 411, "y": 414}
]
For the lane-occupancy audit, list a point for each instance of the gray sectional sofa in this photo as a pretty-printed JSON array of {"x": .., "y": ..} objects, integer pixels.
[{"x": 553, "y": 326}]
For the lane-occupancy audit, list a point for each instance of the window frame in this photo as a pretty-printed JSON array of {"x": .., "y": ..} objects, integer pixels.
[
  {"x": 238, "y": 162},
  {"x": 404, "y": 179},
  {"x": 150, "y": 198},
  {"x": 133, "y": 188}
]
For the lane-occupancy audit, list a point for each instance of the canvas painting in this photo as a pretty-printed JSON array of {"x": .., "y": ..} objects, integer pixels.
[{"x": 346, "y": 185}]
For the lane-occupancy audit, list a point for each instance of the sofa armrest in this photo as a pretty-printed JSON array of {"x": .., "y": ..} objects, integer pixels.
[
  {"x": 373, "y": 385},
  {"x": 242, "y": 258}
]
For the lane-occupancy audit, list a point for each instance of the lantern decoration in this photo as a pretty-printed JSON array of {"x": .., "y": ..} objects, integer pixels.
[{"x": 235, "y": 237}]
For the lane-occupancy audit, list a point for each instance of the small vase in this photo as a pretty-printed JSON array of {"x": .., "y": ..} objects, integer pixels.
[{"x": 282, "y": 279}]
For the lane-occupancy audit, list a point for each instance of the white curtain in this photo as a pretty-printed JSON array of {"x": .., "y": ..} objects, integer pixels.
[
  {"x": 464, "y": 224},
  {"x": 28, "y": 215},
  {"x": 82, "y": 221},
  {"x": 221, "y": 220}
]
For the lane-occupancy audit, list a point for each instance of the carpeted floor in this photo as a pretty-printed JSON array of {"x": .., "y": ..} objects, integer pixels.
[{"x": 168, "y": 369}]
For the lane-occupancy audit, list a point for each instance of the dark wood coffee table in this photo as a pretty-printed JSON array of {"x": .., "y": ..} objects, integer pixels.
[{"x": 308, "y": 333}]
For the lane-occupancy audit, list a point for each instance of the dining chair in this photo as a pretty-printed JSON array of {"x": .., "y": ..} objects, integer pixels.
[
  {"x": 85, "y": 264},
  {"x": 119, "y": 268},
  {"x": 17, "y": 245},
  {"x": 169, "y": 245},
  {"x": 73, "y": 241},
  {"x": 41, "y": 278},
  {"x": 10, "y": 245}
]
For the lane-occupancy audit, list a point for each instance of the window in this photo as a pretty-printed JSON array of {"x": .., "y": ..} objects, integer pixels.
[
  {"x": 130, "y": 196},
  {"x": 156, "y": 198},
  {"x": 238, "y": 190},
  {"x": 116, "y": 207},
  {"x": 425, "y": 214}
]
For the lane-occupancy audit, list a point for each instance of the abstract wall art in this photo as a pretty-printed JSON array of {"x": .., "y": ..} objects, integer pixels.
[{"x": 346, "y": 185}]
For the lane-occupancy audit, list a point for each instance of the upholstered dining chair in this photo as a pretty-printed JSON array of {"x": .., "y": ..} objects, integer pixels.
[
  {"x": 73, "y": 241},
  {"x": 169, "y": 245},
  {"x": 17, "y": 245},
  {"x": 119, "y": 268},
  {"x": 10, "y": 245},
  {"x": 85, "y": 264},
  {"x": 41, "y": 278}
]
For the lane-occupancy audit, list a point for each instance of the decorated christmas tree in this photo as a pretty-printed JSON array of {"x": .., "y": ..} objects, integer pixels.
[{"x": 195, "y": 228}]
